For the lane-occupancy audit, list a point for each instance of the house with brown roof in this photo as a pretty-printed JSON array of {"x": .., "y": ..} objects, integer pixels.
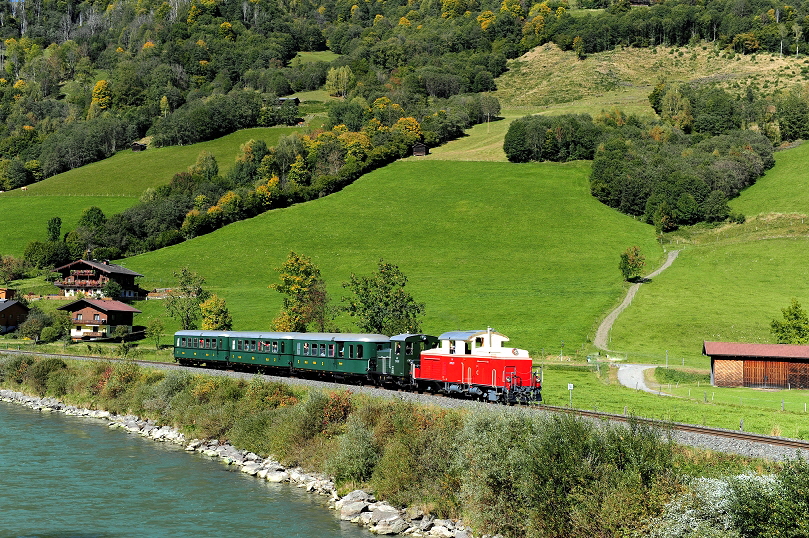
[
  {"x": 89, "y": 277},
  {"x": 12, "y": 314},
  {"x": 758, "y": 365},
  {"x": 98, "y": 318}
]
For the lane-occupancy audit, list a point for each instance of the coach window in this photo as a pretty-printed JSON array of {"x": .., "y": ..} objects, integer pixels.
[
  {"x": 238, "y": 345},
  {"x": 182, "y": 340},
  {"x": 340, "y": 350},
  {"x": 351, "y": 351},
  {"x": 252, "y": 345},
  {"x": 306, "y": 348},
  {"x": 275, "y": 347},
  {"x": 282, "y": 347},
  {"x": 196, "y": 343},
  {"x": 359, "y": 351},
  {"x": 322, "y": 350},
  {"x": 331, "y": 350},
  {"x": 207, "y": 343}
]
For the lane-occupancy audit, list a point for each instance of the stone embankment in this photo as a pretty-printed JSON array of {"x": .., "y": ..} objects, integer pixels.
[{"x": 358, "y": 507}]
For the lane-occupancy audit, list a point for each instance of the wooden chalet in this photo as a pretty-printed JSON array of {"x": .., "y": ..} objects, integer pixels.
[
  {"x": 138, "y": 146},
  {"x": 89, "y": 277},
  {"x": 420, "y": 149},
  {"x": 758, "y": 365},
  {"x": 12, "y": 314},
  {"x": 7, "y": 293},
  {"x": 98, "y": 318}
]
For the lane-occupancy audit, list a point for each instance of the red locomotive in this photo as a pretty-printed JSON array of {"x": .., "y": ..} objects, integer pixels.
[{"x": 476, "y": 364}]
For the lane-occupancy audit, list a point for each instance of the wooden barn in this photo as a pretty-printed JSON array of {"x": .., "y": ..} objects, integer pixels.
[
  {"x": 758, "y": 365},
  {"x": 420, "y": 149}
]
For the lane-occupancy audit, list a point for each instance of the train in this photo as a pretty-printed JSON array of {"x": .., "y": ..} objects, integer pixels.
[{"x": 473, "y": 364}]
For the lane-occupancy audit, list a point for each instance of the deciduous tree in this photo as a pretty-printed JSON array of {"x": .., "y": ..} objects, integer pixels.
[
  {"x": 632, "y": 263},
  {"x": 381, "y": 304},
  {"x": 306, "y": 300},
  {"x": 184, "y": 300},
  {"x": 215, "y": 314},
  {"x": 155, "y": 330},
  {"x": 794, "y": 327}
]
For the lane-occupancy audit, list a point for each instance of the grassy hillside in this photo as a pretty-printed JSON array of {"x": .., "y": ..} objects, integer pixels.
[
  {"x": 112, "y": 184},
  {"x": 25, "y": 218},
  {"x": 730, "y": 281},
  {"x": 725, "y": 292},
  {"x": 129, "y": 173},
  {"x": 522, "y": 248},
  {"x": 783, "y": 189},
  {"x": 551, "y": 78}
]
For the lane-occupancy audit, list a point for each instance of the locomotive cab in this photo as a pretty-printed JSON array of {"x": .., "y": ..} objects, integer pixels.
[{"x": 404, "y": 352}]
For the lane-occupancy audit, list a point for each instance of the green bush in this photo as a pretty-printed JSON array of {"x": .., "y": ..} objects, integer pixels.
[
  {"x": 16, "y": 368},
  {"x": 672, "y": 375},
  {"x": 357, "y": 453},
  {"x": 48, "y": 334},
  {"x": 38, "y": 373}
]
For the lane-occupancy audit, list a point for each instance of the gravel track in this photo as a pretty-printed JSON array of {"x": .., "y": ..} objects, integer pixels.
[{"x": 602, "y": 334}]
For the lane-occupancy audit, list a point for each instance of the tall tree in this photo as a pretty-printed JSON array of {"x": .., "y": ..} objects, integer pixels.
[
  {"x": 306, "y": 300},
  {"x": 54, "y": 229},
  {"x": 794, "y": 327},
  {"x": 215, "y": 314},
  {"x": 380, "y": 302},
  {"x": 155, "y": 330},
  {"x": 183, "y": 302}
]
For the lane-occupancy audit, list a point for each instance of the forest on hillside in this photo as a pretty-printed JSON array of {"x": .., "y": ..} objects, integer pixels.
[{"x": 83, "y": 79}]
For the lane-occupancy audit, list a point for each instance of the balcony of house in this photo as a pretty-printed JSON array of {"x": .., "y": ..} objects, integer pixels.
[
  {"x": 90, "y": 322},
  {"x": 74, "y": 283}
]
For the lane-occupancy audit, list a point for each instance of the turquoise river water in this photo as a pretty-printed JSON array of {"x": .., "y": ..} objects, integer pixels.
[{"x": 64, "y": 476}]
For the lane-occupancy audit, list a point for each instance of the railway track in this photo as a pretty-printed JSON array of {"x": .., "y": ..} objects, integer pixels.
[{"x": 735, "y": 435}]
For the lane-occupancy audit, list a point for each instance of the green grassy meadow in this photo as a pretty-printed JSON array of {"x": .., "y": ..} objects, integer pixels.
[
  {"x": 524, "y": 249},
  {"x": 25, "y": 218},
  {"x": 783, "y": 189},
  {"x": 722, "y": 292},
  {"x": 129, "y": 173},
  {"x": 113, "y": 184},
  {"x": 703, "y": 405}
]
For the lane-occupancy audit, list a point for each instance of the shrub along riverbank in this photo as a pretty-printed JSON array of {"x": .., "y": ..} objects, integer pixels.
[{"x": 516, "y": 474}]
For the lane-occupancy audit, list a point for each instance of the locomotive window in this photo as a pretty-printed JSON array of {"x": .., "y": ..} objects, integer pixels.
[
  {"x": 398, "y": 347},
  {"x": 379, "y": 347},
  {"x": 359, "y": 351},
  {"x": 351, "y": 351},
  {"x": 331, "y": 350},
  {"x": 409, "y": 348},
  {"x": 275, "y": 347},
  {"x": 322, "y": 350}
]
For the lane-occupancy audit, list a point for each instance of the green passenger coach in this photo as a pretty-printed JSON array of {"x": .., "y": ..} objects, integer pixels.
[
  {"x": 341, "y": 354},
  {"x": 233, "y": 348}
]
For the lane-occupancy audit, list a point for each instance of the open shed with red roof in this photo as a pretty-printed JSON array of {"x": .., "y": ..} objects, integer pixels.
[{"x": 758, "y": 365}]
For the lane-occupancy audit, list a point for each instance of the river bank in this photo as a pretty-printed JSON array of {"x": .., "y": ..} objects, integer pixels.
[{"x": 359, "y": 506}]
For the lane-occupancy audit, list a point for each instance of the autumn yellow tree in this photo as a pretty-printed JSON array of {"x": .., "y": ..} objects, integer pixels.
[
  {"x": 215, "y": 314},
  {"x": 305, "y": 298}
]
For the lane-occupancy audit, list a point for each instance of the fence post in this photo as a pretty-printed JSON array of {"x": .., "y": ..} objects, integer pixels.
[{"x": 741, "y": 425}]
